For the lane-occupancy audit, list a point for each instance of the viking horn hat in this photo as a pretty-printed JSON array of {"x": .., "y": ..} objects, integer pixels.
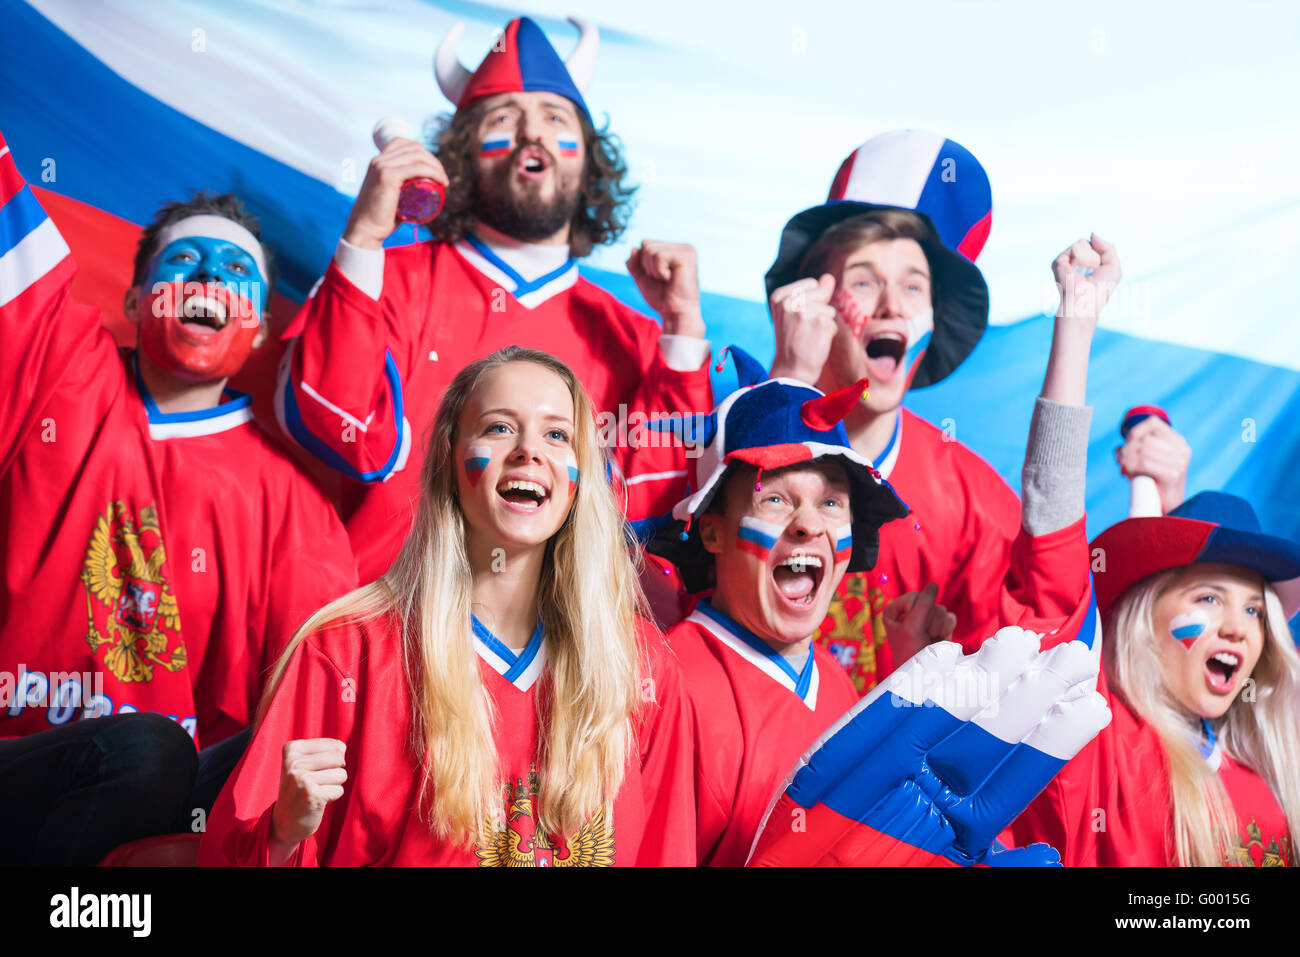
[{"x": 521, "y": 60}]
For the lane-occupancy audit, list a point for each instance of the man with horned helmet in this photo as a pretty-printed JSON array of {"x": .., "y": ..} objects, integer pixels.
[{"x": 531, "y": 187}]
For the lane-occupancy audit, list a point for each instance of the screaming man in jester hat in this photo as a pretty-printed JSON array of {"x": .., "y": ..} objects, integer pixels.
[{"x": 942, "y": 756}]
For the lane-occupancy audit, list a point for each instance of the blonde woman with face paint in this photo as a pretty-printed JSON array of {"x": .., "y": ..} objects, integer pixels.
[
  {"x": 1200, "y": 765},
  {"x": 494, "y": 699}
]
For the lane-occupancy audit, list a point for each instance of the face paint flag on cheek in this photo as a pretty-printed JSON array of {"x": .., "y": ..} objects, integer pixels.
[
  {"x": 571, "y": 464},
  {"x": 491, "y": 149},
  {"x": 758, "y": 537},
  {"x": 1185, "y": 629},
  {"x": 567, "y": 147},
  {"x": 476, "y": 460},
  {"x": 919, "y": 330},
  {"x": 849, "y": 312},
  {"x": 843, "y": 543}
]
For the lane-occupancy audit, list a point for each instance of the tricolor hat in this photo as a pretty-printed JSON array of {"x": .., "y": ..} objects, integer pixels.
[
  {"x": 521, "y": 60},
  {"x": 1209, "y": 527},
  {"x": 769, "y": 424},
  {"x": 915, "y": 169},
  {"x": 945, "y": 185}
]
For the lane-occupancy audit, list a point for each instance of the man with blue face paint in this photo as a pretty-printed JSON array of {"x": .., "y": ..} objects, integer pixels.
[
  {"x": 201, "y": 315},
  {"x": 160, "y": 550}
]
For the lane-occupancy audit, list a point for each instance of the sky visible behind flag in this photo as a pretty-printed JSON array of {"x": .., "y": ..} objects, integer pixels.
[{"x": 1169, "y": 129}]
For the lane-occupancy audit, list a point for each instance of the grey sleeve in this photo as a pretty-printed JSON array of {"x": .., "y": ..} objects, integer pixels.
[{"x": 1056, "y": 463}]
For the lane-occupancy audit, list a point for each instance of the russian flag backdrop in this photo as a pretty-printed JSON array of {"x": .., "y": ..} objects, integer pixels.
[{"x": 731, "y": 125}]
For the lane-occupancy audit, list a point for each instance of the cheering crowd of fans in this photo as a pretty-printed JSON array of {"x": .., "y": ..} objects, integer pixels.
[{"x": 505, "y": 642}]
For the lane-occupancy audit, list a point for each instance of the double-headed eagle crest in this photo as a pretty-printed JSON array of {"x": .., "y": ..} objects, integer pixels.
[
  {"x": 129, "y": 605},
  {"x": 520, "y": 844},
  {"x": 858, "y": 630}
]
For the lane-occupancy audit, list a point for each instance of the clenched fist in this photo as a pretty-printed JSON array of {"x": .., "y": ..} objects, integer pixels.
[
  {"x": 1086, "y": 274},
  {"x": 374, "y": 214},
  {"x": 805, "y": 322},
  {"x": 915, "y": 620},
  {"x": 668, "y": 279},
  {"x": 1153, "y": 448},
  {"x": 311, "y": 776}
]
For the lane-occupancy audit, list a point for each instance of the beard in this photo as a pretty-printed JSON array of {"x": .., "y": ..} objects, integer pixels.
[{"x": 518, "y": 210}]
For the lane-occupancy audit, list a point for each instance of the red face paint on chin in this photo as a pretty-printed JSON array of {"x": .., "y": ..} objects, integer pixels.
[{"x": 194, "y": 348}]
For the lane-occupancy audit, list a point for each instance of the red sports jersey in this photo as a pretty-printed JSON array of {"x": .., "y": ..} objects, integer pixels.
[
  {"x": 365, "y": 376},
  {"x": 347, "y": 682},
  {"x": 753, "y": 716},
  {"x": 1110, "y": 804},
  {"x": 959, "y": 535},
  {"x": 153, "y": 562}
]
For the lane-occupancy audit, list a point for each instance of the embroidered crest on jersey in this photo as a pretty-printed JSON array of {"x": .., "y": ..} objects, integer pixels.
[
  {"x": 519, "y": 844},
  {"x": 854, "y": 629},
  {"x": 1254, "y": 853},
  {"x": 129, "y": 604}
]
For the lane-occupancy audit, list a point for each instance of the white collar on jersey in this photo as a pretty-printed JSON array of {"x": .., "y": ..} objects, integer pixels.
[
  {"x": 803, "y": 684},
  {"x": 885, "y": 462},
  {"x": 523, "y": 669},
  {"x": 184, "y": 425},
  {"x": 531, "y": 272}
]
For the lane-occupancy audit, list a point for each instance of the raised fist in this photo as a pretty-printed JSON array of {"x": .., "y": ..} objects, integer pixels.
[
  {"x": 668, "y": 279},
  {"x": 1086, "y": 274},
  {"x": 805, "y": 323}
]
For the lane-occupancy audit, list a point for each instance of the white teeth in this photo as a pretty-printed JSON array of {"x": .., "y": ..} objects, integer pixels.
[
  {"x": 1228, "y": 658},
  {"x": 889, "y": 335},
  {"x": 801, "y": 562},
  {"x": 204, "y": 307},
  {"x": 516, "y": 484}
]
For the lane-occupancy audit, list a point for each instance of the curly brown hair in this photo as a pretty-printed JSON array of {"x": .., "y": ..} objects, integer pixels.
[{"x": 604, "y": 201}]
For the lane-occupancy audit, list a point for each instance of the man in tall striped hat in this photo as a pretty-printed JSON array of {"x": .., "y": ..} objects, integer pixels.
[{"x": 880, "y": 282}]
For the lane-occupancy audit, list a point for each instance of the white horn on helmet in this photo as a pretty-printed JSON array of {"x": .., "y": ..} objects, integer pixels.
[
  {"x": 581, "y": 63},
  {"x": 452, "y": 77}
]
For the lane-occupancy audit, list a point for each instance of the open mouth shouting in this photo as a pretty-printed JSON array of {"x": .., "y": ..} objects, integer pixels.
[
  {"x": 203, "y": 314},
  {"x": 797, "y": 578},
  {"x": 523, "y": 494},
  {"x": 885, "y": 352},
  {"x": 533, "y": 162},
  {"x": 1221, "y": 671}
]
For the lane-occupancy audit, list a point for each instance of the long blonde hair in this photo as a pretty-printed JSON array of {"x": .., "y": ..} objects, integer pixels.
[
  {"x": 1263, "y": 733},
  {"x": 589, "y": 597}
]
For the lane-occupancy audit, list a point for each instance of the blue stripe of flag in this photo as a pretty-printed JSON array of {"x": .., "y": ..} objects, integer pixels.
[
  {"x": 18, "y": 218},
  {"x": 754, "y": 535}
]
